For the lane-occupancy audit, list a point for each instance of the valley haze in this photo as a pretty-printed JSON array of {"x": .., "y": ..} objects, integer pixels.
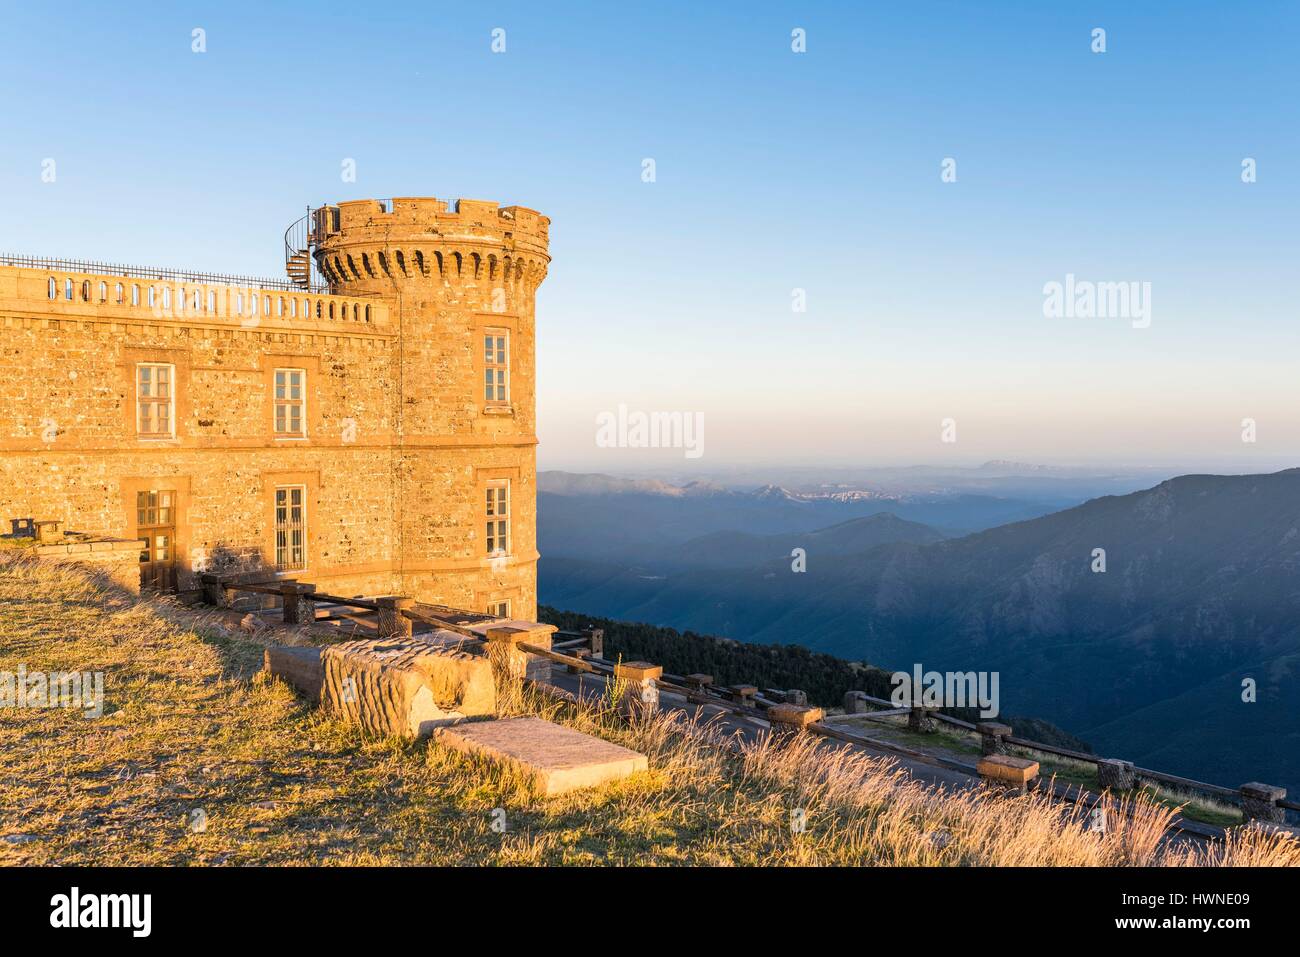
[{"x": 985, "y": 568}]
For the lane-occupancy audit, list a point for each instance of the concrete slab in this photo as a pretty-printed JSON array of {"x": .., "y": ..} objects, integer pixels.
[{"x": 557, "y": 758}]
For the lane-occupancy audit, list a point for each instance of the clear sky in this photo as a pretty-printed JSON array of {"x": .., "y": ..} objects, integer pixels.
[{"x": 774, "y": 171}]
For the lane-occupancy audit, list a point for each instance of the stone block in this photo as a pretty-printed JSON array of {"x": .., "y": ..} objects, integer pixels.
[
  {"x": 405, "y": 687},
  {"x": 1008, "y": 771},
  {"x": 855, "y": 702},
  {"x": 993, "y": 735},
  {"x": 638, "y": 671},
  {"x": 1115, "y": 775},
  {"x": 1259, "y": 802},
  {"x": 794, "y": 715},
  {"x": 556, "y": 759},
  {"x": 300, "y": 667},
  {"x": 918, "y": 719}
]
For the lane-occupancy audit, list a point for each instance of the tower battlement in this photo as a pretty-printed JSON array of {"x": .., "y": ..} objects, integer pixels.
[{"x": 369, "y": 244}]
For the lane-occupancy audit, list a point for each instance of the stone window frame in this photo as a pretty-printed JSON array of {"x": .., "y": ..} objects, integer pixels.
[
  {"x": 131, "y": 486},
  {"x": 182, "y": 410},
  {"x": 499, "y": 608}
]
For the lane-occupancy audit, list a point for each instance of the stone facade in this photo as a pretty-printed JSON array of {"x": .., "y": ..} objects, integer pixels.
[{"x": 399, "y": 441}]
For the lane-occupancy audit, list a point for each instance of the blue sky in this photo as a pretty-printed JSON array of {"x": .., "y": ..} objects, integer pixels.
[{"x": 774, "y": 171}]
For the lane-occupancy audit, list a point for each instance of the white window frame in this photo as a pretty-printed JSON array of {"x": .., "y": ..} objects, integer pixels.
[
  {"x": 153, "y": 400},
  {"x": 502, "y": 381},
  {"x": 277, "y": 402},
  {"x": 496, "y": 513},
  {"x": 503, "y": 605}
]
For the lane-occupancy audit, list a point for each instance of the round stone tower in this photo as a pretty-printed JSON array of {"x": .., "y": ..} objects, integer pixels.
[{"x": 461, "y": 285}]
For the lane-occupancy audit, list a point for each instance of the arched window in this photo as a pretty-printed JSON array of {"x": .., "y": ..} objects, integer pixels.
[
  {"x": 167, "y": 297},
  {"x": 279, "y": 306},
  {"x": 331, "y": 310},
  {"x": 266, "y": 305},
  {"x": 212, "y": 300},
  {"x": 120, "y": 293},
  {"x": 135, "y": 295},
  {"x": 85, "y": 290},
  {"x": 319, "y": 311},
  {"x": 153, "y": 297},
  {"x": 67, "y": 289},
  {"x": 180, "y": 299},
  {"x": 367, "y": 313},
  {"x": 293, "y": 307},
  {"x": 252, "y": 304},
  {"x": 54, "y": 288},
  {"x": 356, "y": 312},
  {"x": 239, "y": 303},
  {"x": 198, "y": 300},
  {"x": 103, "y": 292}
]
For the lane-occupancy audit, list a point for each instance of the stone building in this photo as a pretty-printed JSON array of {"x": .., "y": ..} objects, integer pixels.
[{"x": 368, "y": 425}]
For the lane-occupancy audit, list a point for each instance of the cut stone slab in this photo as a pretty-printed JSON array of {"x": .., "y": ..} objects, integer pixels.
[
  {"x": 1005, "y": 769},
  {"x": 558, "y": 759},
  {"x": 300, "y": 667},
  {"x": 404, "y": 686}
]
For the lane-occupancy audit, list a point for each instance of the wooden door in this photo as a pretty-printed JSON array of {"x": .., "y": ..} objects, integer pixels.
[{"x": 155, "y": 523}]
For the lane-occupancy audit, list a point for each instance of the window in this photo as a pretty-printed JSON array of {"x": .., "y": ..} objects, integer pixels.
[
  {"x": 85, "y": 290},
  {"x": 290, "y": 402},
  {"x": 153, "y": 297},
  {"x": 67, "y": 289},
  {"x": 212, "y": 300},
  {"x": 119, "y": 292},
  {"x": 154, "y": 399},
  {"x": 103, "y": 292},
  {"x": 495, "y": 368},
  {"x": 135, "y": 295},
  {"x": 498, "y": 518},
  {"x": 291, "y": 527},
  {"x": 499, "y": 609},
  {"x": 153, "y": 509}
]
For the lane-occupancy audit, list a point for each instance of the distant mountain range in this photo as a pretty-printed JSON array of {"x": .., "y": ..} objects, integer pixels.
[{"x": 1146, "y": 660}]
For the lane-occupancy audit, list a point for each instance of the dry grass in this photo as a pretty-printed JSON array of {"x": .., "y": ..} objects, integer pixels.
[{"x": 190, "y": 725}]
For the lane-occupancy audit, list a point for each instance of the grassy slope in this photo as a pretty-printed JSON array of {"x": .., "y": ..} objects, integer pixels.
[{"x": 189, "y": 725}]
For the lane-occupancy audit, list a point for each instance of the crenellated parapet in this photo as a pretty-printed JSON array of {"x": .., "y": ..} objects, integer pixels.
[{"x": 384, "y": 245}]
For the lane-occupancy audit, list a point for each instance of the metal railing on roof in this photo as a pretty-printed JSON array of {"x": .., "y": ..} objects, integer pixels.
[{"x": 168, "y": 275}]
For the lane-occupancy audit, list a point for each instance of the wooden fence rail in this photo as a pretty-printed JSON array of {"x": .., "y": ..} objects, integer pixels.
[{"x": 399, "y": 614}]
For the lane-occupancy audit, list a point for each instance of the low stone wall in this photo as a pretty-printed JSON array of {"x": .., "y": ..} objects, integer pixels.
[{"x": 116, "y": 558}]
